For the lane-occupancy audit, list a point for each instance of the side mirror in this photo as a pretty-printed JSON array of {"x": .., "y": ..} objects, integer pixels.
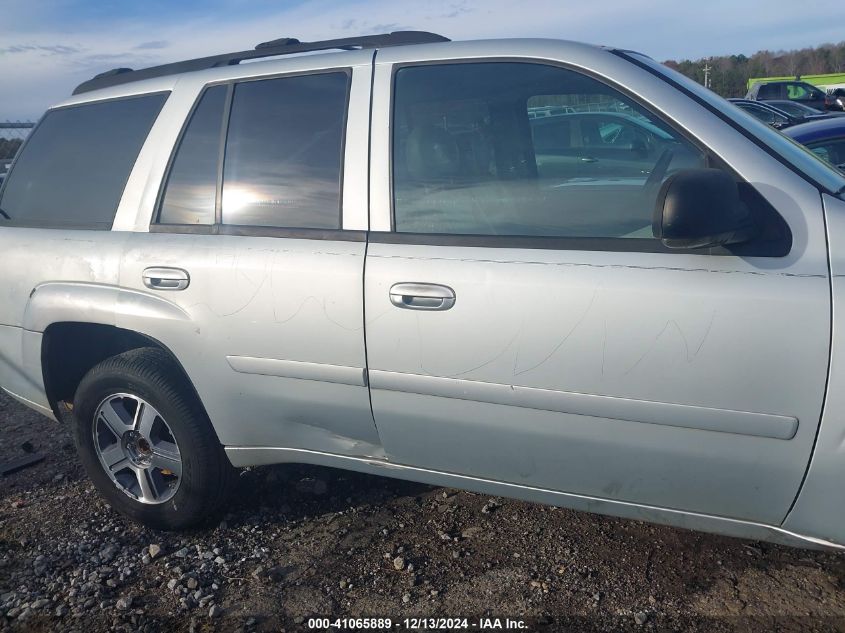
[{"x": 698, "y": 208}]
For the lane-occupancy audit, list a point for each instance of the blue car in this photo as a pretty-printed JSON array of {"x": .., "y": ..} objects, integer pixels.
[{"x": 826, "y": 138}]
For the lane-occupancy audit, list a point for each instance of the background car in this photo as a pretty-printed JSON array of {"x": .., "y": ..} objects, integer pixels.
[
  {"x": 794, "y": 108},
  {"x": 544, "y": 111},
  {"x": 799, "y": 91},
  {"x": 837, "y": 98},
  {"x": 781, "y": 114},
  {"x": 771, "y": 115},
  {"x": 597, "y": 144},
  {"x": 825, "y": 138}
]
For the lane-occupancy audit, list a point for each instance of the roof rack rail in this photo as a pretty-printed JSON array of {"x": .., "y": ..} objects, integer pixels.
[{"x": 283, "y": 46}]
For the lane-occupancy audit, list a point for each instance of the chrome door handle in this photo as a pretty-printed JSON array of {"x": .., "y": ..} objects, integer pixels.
[
  {"x": 164, "y": 278},
  {"x": 418, "y": 296}
]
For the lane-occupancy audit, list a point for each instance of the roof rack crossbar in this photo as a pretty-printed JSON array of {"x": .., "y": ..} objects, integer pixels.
[{"x": 273, "y": 48}]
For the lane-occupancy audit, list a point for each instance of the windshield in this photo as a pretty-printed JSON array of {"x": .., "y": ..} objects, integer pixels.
[{"x": 799, "y": 157}]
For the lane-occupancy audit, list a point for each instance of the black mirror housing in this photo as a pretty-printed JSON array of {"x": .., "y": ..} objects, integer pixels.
[{"x": 699, "y": 208}]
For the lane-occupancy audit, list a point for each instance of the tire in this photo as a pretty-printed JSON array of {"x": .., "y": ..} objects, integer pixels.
[{"x": 186, "y": 487}]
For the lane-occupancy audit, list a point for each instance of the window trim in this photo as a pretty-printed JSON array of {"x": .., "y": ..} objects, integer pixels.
[
  {"x": 168, "y": 168},
  {"x": 643, "y": 245},
  {"x": 221, "y": 153},
  {"x": 333, "y": 235},
  {"x": 218, "y": 227},
  {"x": 603, "y": 244},
  {"x": 83, "y": 226}
]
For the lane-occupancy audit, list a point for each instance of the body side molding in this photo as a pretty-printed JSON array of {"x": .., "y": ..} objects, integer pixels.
[
  {"x": 341, "y": 374},
  {"x": 626, "y": 409}
]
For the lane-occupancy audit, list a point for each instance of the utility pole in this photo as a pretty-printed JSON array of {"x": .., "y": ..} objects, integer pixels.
[{"x": 707, "y": 68}]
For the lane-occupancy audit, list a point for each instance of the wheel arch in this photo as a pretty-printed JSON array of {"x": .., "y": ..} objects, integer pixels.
[
  {"x": 82, "y": 324},
  {"x": 69, "y": 349}
]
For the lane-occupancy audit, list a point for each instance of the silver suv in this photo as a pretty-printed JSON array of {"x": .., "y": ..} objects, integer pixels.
[{"x": 530, "y": 268}]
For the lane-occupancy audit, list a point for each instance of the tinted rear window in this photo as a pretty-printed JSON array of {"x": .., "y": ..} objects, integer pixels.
[
  {"x": 769, "y": 91},
  {"x": 191, "y": 190},
  {"x": 284, "y": 152},
  {"x": 74, "y": 167}
]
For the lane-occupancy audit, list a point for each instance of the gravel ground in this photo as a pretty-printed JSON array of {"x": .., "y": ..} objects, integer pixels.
[{"x": 304, "y": 541}]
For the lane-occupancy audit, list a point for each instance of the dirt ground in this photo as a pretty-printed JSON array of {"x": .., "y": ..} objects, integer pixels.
[{"x": 305, "y": 542}]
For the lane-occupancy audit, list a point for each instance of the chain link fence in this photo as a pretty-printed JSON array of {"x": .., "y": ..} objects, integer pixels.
[{"x": 12, "y": 135}]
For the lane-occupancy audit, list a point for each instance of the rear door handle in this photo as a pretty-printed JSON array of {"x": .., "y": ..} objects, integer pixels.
[
  {"x": 164, "y": 278},
  {"x": 421, "y": 296}
]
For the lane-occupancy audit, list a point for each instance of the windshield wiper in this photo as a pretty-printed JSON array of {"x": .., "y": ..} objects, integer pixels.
[{"x": 5, "y": 215}]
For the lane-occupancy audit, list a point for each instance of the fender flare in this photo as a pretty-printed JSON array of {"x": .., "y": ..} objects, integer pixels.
[
  {"x": 58, "y": 301},
  {"x": 74, "y": 302}
]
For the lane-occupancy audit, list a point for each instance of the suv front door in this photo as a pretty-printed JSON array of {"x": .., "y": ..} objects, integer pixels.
[{"x": 524, "y": 326}]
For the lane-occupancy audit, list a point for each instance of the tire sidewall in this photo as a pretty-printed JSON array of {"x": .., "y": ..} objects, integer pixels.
[{"x": 95, "y": 389}]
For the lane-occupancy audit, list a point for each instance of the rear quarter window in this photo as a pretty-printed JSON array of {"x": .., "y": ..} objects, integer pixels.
[
  {"x": 73, "y": 169},
  {"x": 768, "y": 91}
]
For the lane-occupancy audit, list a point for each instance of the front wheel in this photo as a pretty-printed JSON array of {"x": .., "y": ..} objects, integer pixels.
[{"x": 147, "y": 443}]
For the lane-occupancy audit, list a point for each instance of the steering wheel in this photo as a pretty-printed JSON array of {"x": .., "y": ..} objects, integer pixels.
[{"x": 659, "y": 170}]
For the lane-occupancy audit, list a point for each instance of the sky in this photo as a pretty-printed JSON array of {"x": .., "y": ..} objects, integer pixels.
[{"x": 47, "y": 47}]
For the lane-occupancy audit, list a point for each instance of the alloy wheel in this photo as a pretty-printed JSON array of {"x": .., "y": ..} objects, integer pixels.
[{"x": 137, "y": 448}]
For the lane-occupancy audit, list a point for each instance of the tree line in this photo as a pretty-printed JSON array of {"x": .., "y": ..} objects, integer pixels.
[{"x": 729, "y": 74}]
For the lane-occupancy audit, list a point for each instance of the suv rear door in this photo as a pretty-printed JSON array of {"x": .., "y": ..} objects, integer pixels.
[
  {"x": 255, "y": 229},
  {"x": 526, "y": 327}
]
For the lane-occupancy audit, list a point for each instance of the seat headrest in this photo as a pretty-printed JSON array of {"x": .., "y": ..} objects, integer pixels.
[{"x": 431, "y": 153}]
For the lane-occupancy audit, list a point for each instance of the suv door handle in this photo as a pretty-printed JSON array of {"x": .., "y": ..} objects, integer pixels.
[
  {"x": 164, "y": 278},
  {"x": 421, "y": 296}
]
